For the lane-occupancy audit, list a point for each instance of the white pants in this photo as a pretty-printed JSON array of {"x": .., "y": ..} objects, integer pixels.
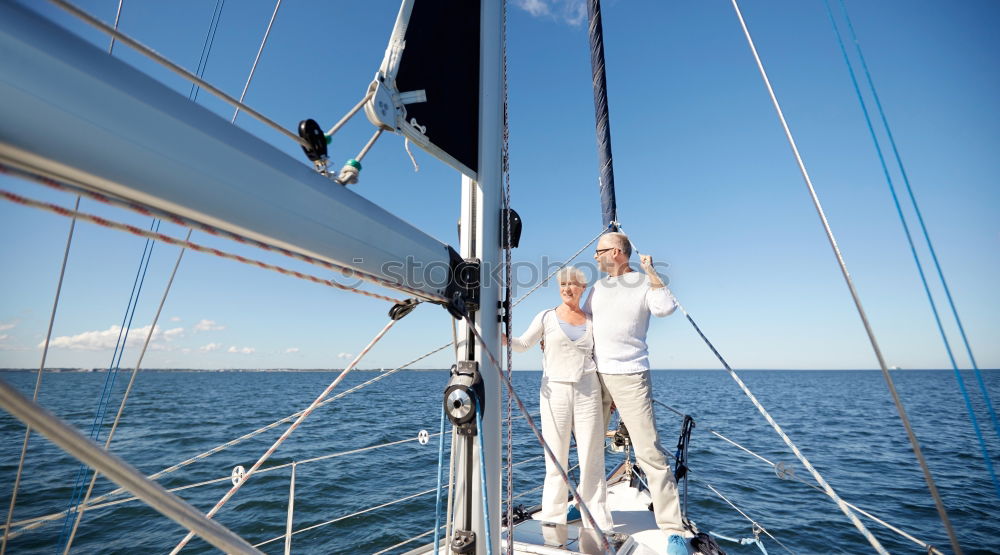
[
  {"x": 632, "y": 394},
  {"x": 574, "y": 407}
]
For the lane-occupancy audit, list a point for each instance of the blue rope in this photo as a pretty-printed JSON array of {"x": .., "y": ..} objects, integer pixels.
[
  {"x": 923, "y": 227},
  {"x": 482, "y": 476},
  {"x": 206, "y": 48},
  {"x": 437, "y": 499},
  {"x": 909, "y": 239},
  {"x": 744, "y": 541},
  {"x": 109, "y": 381}
]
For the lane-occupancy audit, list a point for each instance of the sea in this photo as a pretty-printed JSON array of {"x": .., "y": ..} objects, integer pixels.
[{"x": 844, "y": 422}]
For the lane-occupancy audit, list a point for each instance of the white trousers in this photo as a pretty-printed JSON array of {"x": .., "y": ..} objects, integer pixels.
[
  {"x": 632, "y": 394},
  {"x": 574, "y": 408}
]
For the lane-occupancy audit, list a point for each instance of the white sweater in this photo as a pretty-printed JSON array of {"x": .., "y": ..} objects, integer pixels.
[
  {"x": 621, "y": 306},
  {"x": 563, "y": 360}
]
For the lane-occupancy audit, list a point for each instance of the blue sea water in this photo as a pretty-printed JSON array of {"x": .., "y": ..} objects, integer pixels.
[{"x": 843, "y": 421}]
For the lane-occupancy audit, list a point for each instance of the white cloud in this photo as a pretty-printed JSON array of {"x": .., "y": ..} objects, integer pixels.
[
  {"x": 292, "y": 350},
  {"x": 102, "y": 339},
  {"x": 243, "y": 350},
  {"x": 572, "y": 12},
  {"x": 174, "y": 333},
  {"x": 4, "y": 327},
  {"x": 5, "y": 336},
  {"x": 208, "y": 325},
  {"x": 175, "y": 319},
  {"x": 345, "y": 355},
  {"x": 210, "y": 347},
  {"x": 185, "y": 350},
  {"x": 534, "y": 7}
]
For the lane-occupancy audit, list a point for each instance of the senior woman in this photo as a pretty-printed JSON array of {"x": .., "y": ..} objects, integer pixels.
[{"x": 570, "y": 400}]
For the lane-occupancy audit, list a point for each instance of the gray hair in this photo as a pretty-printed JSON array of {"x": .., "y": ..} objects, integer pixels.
[
  {"x": 572, "y": 273},
  {"x": 623, "y": 244}
]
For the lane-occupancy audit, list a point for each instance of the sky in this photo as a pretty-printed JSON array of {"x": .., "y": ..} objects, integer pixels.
[{"x": 705, "y": 179}]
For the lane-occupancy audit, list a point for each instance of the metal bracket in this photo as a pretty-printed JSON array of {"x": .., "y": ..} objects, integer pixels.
[
  {"x": 464, "y": 541},
  {"x": 463, "y": 285}
]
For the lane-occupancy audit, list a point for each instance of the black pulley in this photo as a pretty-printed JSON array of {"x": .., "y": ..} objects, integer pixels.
[
  {"x": 508, "y": 214},
  {"x": 311, "y": 132}
]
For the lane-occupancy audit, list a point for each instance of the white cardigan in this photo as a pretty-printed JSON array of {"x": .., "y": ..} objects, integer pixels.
[{"x": 563, "y": 360}]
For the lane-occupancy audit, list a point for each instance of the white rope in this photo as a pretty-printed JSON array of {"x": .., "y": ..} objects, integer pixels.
[
  {"x": 121, "y": 407},
  {"x": 793, "y": 477},
  {"x": 260, "y": 50},
  {"x": 404, "y": 542},
  {"x": 350, "y": 113},
  {"x": 561, "y": 266},
  {"x": 861, "y": 312},
  {"x": 38, "y": 380},
  {"x": 30, "y": 524},
  {"x": 584, "y": 510},
  {"x": 305, "y": 414},
  {"x": 746, "y": 516},
  {"x": 345, "y": 517},
  {"x": 227, "y": 478},
  {"x": 291, "y": 510}
]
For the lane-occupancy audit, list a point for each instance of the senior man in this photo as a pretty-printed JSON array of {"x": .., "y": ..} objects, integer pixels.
[{"x": 621, "y": 304}]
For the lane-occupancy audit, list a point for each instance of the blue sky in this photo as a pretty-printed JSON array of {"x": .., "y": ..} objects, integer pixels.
[{"x": 706, "y": 183}]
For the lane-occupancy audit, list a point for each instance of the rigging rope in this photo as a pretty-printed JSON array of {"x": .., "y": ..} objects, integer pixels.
[
  {"x": 404, "y": 542},
  {"x": 209, "y": 250},
  {"x": 561, "y": 266},
  {"x": 788, "y": 441},
  {"x": 150, "y": 53},
  {"x": 345, "y": 517},
  {"x": 213, "y": 28},
  {"x": 211, "y": 230},
  {"x": 508, "y": 316},
  {"x": 305, "y": 414},
  {"x": 782, "y": 474},
  {"x": 128, "y": 390},
  {"x": 38, "y": 380},
  {"x": 260, "y": 50},
  {"x": 913, "y": 250},
  {"x": 107, "y": 391},
  {"x": 538, "y": 435},
  {"x": 29, "y": 524},
  {"x": 437, "y": 497},
  {"x": 482, "y": 476},
  {"x": 857, "y": 303},
  {"x": 746, "y": 516}
]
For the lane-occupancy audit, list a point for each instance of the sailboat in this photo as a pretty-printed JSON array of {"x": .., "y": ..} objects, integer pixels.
[{"x": 291, "y": 210}]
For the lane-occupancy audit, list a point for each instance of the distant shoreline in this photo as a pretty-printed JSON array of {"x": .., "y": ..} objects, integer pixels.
[{"x": 233, "y": 370}]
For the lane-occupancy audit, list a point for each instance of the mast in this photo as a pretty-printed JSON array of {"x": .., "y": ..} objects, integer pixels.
[
  {"x": 595, "y": 32},
  {"x": 480, "y": 239}
]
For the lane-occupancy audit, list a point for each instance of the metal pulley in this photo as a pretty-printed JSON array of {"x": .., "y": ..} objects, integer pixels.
[{"x": 462, "y": 395}]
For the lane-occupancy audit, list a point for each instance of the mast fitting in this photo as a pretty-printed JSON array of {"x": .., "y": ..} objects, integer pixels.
[{"x": 463, "y": 285}]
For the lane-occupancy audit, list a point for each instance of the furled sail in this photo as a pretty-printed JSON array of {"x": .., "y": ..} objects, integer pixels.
[{"x": 427, "y": 88}]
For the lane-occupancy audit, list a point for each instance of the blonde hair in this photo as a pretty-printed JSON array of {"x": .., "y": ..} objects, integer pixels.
[{"x": 572, "y": 273}]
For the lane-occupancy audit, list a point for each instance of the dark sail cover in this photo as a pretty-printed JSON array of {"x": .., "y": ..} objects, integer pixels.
[{"x": 441, "y": 57}]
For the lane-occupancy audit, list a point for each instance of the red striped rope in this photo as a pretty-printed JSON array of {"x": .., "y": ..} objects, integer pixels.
[
  {"x": 211, "y": 230},
  {"x": 186, "y": 244}
]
